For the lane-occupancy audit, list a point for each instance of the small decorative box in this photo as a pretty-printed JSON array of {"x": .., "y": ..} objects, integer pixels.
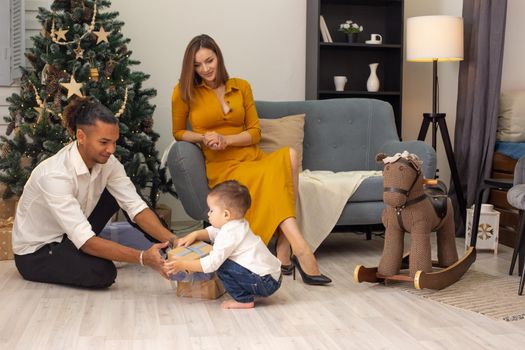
[{"x": 195, "y": 251}]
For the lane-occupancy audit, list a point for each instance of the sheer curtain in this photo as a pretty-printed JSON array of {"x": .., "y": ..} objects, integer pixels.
[{"x": 478, "y": 94}]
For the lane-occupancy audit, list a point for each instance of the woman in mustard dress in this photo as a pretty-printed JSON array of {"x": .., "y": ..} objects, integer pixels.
[{"x": 224, "y": 122}]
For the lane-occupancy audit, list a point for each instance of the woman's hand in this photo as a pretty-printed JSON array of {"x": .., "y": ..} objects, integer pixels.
[{"x": 214, "y": 141}]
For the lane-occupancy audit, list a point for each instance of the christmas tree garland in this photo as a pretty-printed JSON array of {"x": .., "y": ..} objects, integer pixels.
[{"x": 62, "y": 33}]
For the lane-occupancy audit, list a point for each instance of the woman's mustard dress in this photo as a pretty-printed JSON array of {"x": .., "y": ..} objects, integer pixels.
[{"x": 267, "y": 176}]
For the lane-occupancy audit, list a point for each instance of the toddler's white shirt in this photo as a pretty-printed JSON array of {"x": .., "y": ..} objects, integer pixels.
[{"x": 236, "y": 241}]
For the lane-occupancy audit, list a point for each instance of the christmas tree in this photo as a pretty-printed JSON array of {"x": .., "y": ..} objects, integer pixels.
[{"x": 80, "y": 52}]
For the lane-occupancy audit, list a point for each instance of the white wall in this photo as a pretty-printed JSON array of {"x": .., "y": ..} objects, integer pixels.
[
  {"x": 513, "y": 75},
  {"x": 417, "y": 84},
  {"x": 262, "y": 41}
]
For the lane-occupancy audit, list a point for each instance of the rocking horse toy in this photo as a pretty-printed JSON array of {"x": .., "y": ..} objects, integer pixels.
[{"x": 409, "y": 207}]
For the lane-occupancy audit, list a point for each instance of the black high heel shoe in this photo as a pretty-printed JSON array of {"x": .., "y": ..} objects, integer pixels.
[
  {"x": 308, "y": 279},
  {"x": 287, "y": 269}
]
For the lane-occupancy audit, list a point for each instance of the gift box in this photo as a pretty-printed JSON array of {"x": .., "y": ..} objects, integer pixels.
[
  {"x": 8, "y": 207},
  {"x": 123, "y": 233},
  {"x": 6, "y": 248},
  {"x": 210, "y": 289},
  {"x": 193, "y": 252}
]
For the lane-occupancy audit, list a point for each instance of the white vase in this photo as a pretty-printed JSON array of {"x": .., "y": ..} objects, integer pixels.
[{"x": 372, "y": 84}]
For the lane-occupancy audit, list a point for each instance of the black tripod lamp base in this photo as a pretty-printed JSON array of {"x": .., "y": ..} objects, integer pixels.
[{"x": 438, "y": 120}]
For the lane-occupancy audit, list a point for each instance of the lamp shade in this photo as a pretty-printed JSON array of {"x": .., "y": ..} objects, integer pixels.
[{"x": 432, "y": 38}]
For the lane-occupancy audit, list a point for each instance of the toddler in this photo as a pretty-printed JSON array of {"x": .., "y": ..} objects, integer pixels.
[{"x": 243, "y": 262}]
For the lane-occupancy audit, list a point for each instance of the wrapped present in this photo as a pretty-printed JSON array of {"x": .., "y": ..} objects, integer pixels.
[
  {"x": 6, "y": 248},
  {"x": 8, "y": 207},
  {"x": 123, "y": 233},
  {"x": 195, "y": 251},
  {"x": 210, "y": 289}
]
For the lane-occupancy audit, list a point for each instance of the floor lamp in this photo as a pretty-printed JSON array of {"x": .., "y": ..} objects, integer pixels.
[{"x": 437, "y": 39}]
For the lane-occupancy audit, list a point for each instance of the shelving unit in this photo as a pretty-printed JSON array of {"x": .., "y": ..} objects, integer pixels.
[{"x": 325, "y": 60}]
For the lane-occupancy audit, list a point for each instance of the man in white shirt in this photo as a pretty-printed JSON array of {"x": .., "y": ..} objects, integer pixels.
[{"x": 70, "y": 197}]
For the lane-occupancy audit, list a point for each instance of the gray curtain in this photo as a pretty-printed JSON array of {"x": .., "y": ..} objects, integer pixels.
[{"x": 478, "y": 94}]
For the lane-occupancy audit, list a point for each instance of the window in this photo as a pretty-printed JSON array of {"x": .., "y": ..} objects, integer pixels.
[{"x": 12, "y": 44}]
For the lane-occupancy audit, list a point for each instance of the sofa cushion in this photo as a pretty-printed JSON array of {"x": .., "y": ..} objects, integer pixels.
[
  {"x": 361, "y": 213},
  {"x": 282, "y": 132},
  {"x": 339, "y": 134},
  {"x": 370, "y": 190},
  {"x": 511, "y": 117}
]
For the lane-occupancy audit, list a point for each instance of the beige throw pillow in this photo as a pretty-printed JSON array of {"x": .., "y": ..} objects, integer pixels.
[
  {"x": 511, "y": 118},
  {"x": 282, "y": 132}
]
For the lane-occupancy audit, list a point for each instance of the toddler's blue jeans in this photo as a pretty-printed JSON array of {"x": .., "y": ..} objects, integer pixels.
[{"x": 243, "y": 285}]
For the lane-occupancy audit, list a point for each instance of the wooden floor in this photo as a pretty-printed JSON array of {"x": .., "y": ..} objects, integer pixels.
[{"x": 141, "y": 311}]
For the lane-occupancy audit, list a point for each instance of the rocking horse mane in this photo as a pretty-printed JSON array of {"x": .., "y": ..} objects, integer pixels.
[
  {"x": 411, "y": 188},
  {"x": 413, "y": 159}
]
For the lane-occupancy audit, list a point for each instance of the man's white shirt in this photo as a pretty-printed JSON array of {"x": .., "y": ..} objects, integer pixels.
[{"x": 60, "y": 195}]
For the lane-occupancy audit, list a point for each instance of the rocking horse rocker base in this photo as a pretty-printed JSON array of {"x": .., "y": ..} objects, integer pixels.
[
  {"x": 410, "y": 208},
  {"x": 442, "y": 278}
]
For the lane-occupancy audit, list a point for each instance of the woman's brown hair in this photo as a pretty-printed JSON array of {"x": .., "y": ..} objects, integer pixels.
[{"x": 189, "y": 79}]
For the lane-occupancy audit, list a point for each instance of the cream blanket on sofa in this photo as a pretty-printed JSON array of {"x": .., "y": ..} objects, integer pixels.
[{"x": 322, "y": 196}]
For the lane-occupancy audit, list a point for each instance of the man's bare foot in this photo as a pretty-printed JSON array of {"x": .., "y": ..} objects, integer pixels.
[{"x": 232, "y": 304}]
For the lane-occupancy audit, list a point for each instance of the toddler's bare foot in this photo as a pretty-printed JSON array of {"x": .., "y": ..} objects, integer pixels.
[{"x": 232, "y": 304}]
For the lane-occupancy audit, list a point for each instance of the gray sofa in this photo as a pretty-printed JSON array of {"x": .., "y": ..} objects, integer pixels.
[{"x": 339, "y": 135}]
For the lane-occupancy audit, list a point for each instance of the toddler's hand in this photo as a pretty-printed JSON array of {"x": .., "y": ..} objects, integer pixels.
[
  {"x": 186, "y": 240},
  {"x": 172, "y": 267}
]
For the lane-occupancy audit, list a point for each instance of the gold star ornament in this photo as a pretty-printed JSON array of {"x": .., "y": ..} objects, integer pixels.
[
  {"x": 61, "y": 34},
  {"x": 79, "y": 53},
  {"x": 102, "y": 35},
  {"x": 73, "y": 88}
]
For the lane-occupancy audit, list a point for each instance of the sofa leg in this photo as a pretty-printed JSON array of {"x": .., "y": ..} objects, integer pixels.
[{"x": 368, "y": 233}]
